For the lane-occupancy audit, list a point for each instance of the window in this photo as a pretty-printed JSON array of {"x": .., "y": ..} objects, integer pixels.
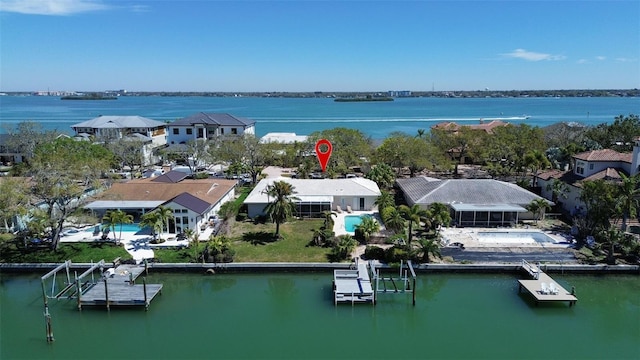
[
  {"x": 221, "y": 131},
  {"x": 185, "y": 220},
  {"x": 176, "y": 131},
  {"x": 591, "y": 166},
  {"x": 189, "y": 131},
  {"x": 234, "y": 131}
]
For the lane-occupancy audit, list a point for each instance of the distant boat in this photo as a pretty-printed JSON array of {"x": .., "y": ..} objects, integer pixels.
[{"x": 92, "y": 96}]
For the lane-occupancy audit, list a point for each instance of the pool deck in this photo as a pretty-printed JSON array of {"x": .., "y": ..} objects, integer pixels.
[
  {"x": 139, "y": 246},
  {"x": 468, "y": 237},
  {"x": 339, "y": 224}
]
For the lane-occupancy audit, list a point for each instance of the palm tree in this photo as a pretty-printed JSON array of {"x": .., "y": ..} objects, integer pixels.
[
  {"x": 428, "y": 246},
  {"x": 367, "y": 227},
  {"x": 165, "y": 214},
  {"x": 385, "y": 200},
  {"x": 394, "y": 221},
  {"x": 343, "y": 247},
  {"x": 440, "y": 215},
  {"x": 559, "y": 189},
  {"x": 116, "y": 217},
  {"x": 537, "y": 208},
  {"x": 612, "y": 237},
  {"x": 412, "y": 215},
  {"x": 627, "y": 198},
  {"x": 153, "y": 221},
  {"x": 328, "y": 219},
  {"x": 282, "y": 207},
  {"x": 421, "y": 133}
]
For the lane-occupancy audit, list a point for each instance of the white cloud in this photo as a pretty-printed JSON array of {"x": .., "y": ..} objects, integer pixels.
[
  {"x": 601, "y": 58},
  {"x": 51, "y": 7},
  {"x": 623, "y": 59},
  {"x": 532, "y": 56},
  {"x": 583, "y": 61}
]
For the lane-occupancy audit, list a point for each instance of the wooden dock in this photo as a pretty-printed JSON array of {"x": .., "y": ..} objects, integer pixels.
[
  {"x": 353, "y": 286},
  {"x": 118, "y": 288},
  {"x": 103, "y": 285},
  {"x": 543, "y": 288}
]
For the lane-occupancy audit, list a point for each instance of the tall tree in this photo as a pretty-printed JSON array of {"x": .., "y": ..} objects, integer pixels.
[
  {"x": 393, "y": 219},
  {"x": 382, "y": 174},
  {"x": 535, "y": 160},
  {"x": 243, "y": 151},
  {"x": 537, "y": 207},
  {"x": 458, "y": 142},
  {"x": 282, "y": 206},
  {"x": 439, "y": 215},
  {"x": 116, "y": 218},
  {"x": 153, "y": 221},
  {"x": 413, "y": 215},
  {"x": 165, "y": 214},
  {"x": 14, "y": 199},
  {"x": 385, "y": 200},
  {"x": 63, "y": 170},
  {"x": 627, "y": 195},
  {"x": 351, "y": 147}
]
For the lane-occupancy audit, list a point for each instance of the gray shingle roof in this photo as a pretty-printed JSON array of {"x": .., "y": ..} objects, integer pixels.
[
  {"x": 423, "y": 191},
  {"x": 119, "y": 122},
  {"x": 191, "y": 202},
  {"x": 171, "y": 177},
  {"x": 213, "y": 119}
]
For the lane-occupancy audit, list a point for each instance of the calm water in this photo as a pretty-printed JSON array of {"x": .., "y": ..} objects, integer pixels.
[
  {"x": 292, "y": 316},
  {"x": 303, "y": 116}
]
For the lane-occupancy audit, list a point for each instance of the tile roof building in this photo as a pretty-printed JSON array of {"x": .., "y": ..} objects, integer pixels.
[{"x": 193, "y": 202}]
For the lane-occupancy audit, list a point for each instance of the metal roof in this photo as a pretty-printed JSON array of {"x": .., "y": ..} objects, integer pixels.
[
  {"x": 120, "y": 122},
  {"x": 191, "y": 202}
]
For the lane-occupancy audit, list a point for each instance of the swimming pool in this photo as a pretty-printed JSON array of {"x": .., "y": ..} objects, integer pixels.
[
  {"x": 351, "y": 221},
  {"x": 125, "y": 228},
  {"x": 511, "y": 237}
]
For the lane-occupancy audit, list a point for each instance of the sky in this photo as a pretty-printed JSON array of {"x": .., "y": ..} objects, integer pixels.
[{"x": 298, "y": 45}]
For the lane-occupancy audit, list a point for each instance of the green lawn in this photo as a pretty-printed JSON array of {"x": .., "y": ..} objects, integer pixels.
[
  {"x": 251, "y": 242},
  {"x": 254, "y": 242},
  {"x": 76, "y": 252}
]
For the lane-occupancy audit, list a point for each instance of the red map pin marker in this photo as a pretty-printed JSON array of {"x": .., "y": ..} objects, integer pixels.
[{"x": 323, "y": 157}]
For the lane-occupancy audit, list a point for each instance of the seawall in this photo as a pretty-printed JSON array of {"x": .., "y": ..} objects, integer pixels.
[{"x": 325, "y": 267}]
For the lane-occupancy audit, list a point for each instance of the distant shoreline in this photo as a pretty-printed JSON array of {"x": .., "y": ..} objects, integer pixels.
[{"x": 364, "y": 94}]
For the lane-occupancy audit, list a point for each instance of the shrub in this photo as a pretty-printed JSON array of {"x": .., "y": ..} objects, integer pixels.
[
  {"x": 396, "y": 253},
  {"x": 374, "y": 253},
  {"x": 242, "y": 216}
]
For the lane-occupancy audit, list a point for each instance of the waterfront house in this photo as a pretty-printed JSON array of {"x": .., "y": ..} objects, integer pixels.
[
  {"x": 152, "y": 133},
  {"x": 472, "y": 202},
  {"x": 283, "y": 138},
  {"x": 193, "y": 202},
  {"x": 208, "y": 126},
  {"x": 317, "y": 195},
  {"x": 605, "y": 164},
  {"x": 9, "y": 154}
]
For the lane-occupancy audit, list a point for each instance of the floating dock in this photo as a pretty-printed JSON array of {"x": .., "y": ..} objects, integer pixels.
[
  {"x": 543, "y": 288},
  {"x": 353, "y": 286}
]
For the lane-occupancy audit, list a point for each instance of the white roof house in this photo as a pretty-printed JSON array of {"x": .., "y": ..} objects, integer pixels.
[
  {"x": 283, "y": 138},
  {"x": 317, "y": 195}
]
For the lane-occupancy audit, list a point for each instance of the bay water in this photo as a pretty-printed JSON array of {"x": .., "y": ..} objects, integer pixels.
[
  {"x": 306, "y": 115},
  {"x": 292, "y": 316}
]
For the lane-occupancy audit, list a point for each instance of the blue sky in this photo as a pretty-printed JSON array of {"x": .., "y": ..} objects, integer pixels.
[{"x": 297, "y": 45}]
